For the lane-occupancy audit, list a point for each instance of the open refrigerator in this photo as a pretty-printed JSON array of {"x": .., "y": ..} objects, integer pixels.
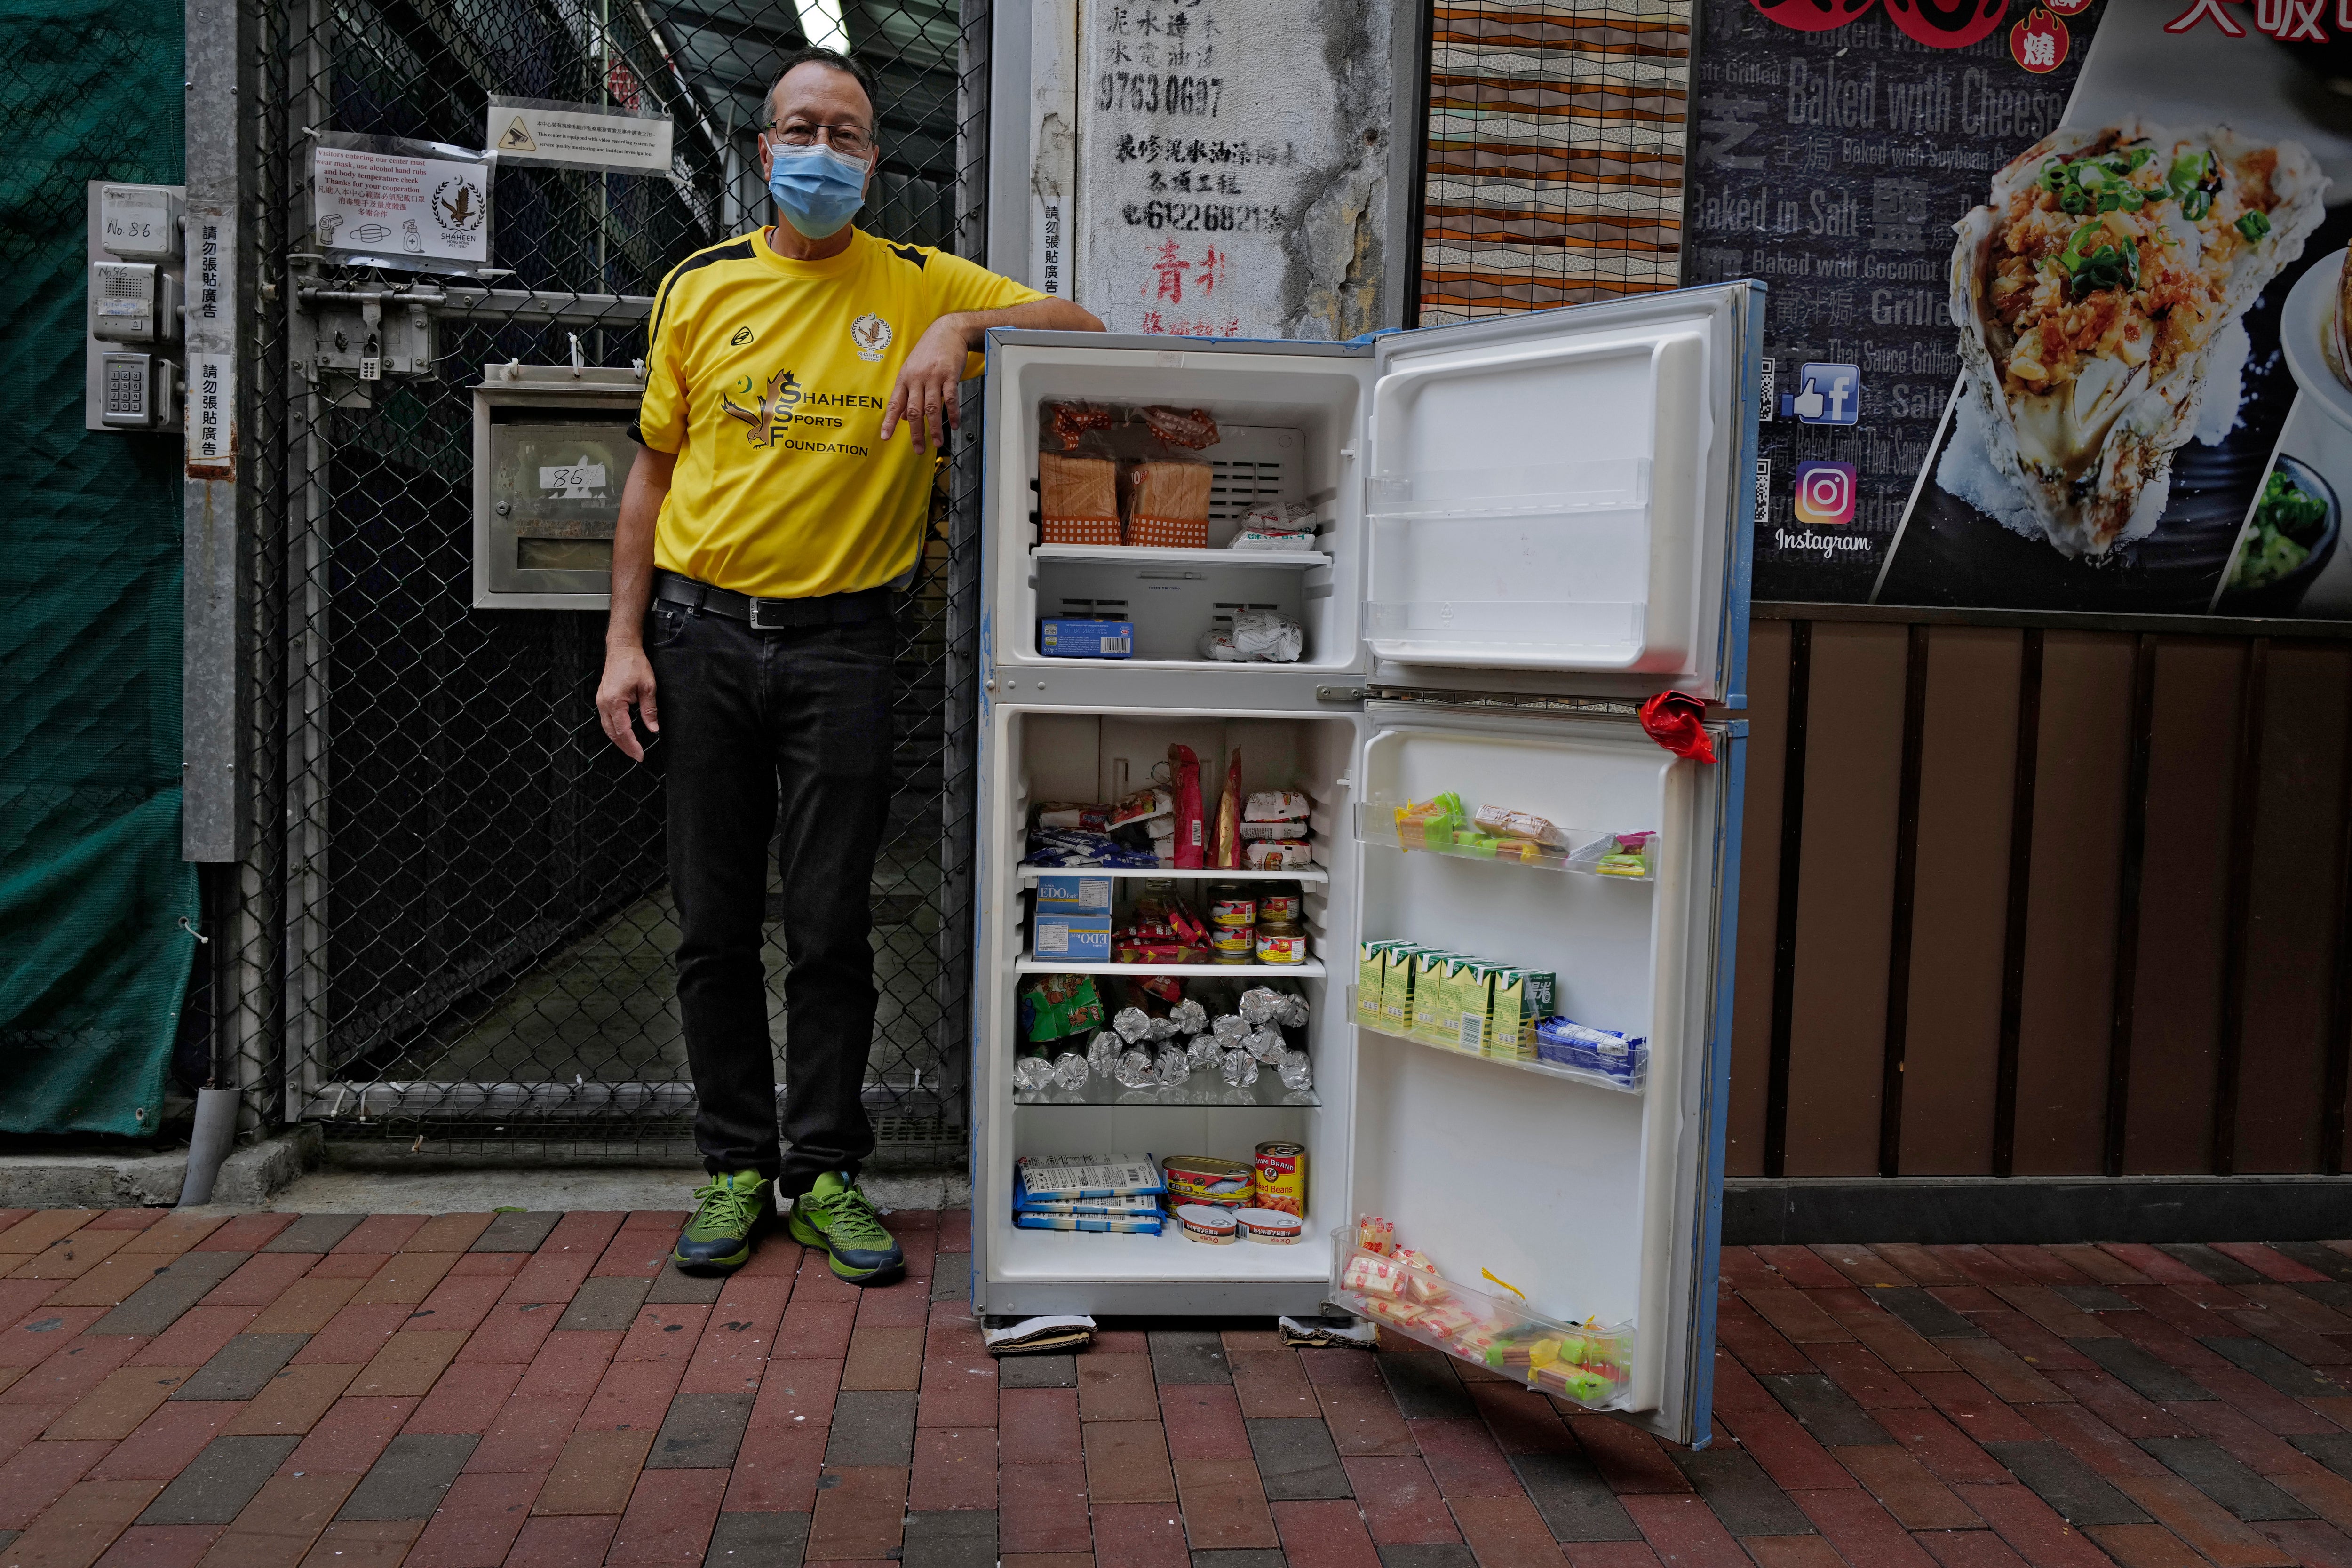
[{"x": 1524, "y": 527}]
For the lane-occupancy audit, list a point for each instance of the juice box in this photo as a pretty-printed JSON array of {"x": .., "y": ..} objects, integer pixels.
[
  {"x": 1371, "y": 977},
  {"x": 1513, "y": 1028},
  {"x": 1396, "y": 988},
  {"x": 1469, "y": 996},
  {"x": 1433, "y": 1022},
  {"x": 1542, "y": 1001}
]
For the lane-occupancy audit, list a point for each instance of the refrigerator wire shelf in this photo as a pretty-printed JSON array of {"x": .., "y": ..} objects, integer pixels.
[
  {"x": 1587, "y": 848},
  {"x": 1587, "y": 1364},
  {"x": 1635, "y": 1084}
]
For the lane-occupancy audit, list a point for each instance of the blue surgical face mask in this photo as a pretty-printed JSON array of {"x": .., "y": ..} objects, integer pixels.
[{"x": 816, "y": 188}]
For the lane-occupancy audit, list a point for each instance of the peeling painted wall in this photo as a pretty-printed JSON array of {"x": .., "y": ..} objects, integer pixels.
[{"x": 1232, "y": 168}]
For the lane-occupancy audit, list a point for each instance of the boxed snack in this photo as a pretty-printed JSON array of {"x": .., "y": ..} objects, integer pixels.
[
  {"x": 1058, "y": 638},
  {"x": 1077, "y": 499},
  {"x": 1077, "y": 935},
  {"x": 1563, "y": 1042},
  {"x": 1071, "y": 1176},
  {"x": 1502, "y": 822},
  {"x": 1066, "y": 894}
]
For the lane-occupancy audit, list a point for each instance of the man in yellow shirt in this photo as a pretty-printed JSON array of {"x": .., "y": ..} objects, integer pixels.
[{"x": 767, "y": 522}]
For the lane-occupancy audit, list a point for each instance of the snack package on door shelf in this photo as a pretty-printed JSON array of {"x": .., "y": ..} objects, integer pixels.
[
  {"x": 1443, "y": 825},
  {"x": 1587, "y": 1363}
]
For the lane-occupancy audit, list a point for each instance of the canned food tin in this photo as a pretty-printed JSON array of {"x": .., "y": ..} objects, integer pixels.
[
  {"x": 1281, "y": 906},
  {"x": 1277, "y": 945},
  {"x": 1204, "y": 1222},
  {"x": 1233, "y": 938},
  {"x": 1282, "y": 1177},
  {"x": 1231, "y": 905},
  {"x": 1271, "y": 1226}
]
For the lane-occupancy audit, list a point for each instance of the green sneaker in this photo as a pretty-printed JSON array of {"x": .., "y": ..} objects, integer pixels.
[
  {"x": 833, "y": 1215},
  {"x": 729, "y": 1211}
]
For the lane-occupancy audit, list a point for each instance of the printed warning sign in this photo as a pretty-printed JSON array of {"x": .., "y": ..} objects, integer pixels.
[
  {"x": 426, "y": 213},
  {"x": 577, "y": 136}
]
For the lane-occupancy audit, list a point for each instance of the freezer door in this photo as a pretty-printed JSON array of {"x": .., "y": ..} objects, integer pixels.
[
  {"x": 1557, "y": 500},
  {"x": 1590, "y": 1201}
]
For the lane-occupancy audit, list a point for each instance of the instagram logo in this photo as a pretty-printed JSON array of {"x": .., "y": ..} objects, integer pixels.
[{"x": 1824, "y": 493}]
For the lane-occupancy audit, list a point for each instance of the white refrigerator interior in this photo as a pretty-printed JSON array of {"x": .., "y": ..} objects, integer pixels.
[{"x": 1523, "y": 528}]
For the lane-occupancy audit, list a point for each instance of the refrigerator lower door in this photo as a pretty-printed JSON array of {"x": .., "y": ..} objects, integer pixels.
[
  {"x": 1545, "y": 1193},
  {"x": 1560, "y": 500}
]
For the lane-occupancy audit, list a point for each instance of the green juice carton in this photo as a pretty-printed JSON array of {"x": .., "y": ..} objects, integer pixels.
[
  {"x": 1469, "y": 996},
  {"x": 1396, "y": 988},
  {"x": 1434, "y": 1021},
  {"x": 1372, "y": 978}
]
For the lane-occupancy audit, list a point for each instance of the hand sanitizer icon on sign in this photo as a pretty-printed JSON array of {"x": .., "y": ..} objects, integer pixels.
[{"x": 1825, "y": 394}]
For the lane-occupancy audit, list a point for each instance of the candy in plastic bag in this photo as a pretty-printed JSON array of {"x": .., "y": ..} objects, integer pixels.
[
  {"x": 1135, "y": 1071},
  {"x": 1173, "y": 1067},
  {"x": 1102, "y": 1052},
  {"x": 1033, "y": 1073},
  {"x": 1070, "y": 1070},
  {"x": 1133, "y": 1024},
  {"x": 1229, "y": 1030},
  {"x": 1239, "y": 1069},
  {"x": 1201, "y": 1051},
  {"x": 1189, "y": 1016},
  {"x": 1297, "y": 1072},
  {"x": 1260, "y": 1006},
  {"x": 1266, "y": 1045}
]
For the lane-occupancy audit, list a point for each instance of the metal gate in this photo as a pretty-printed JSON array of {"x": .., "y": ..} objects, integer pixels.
[{"x": 455, "y": 918}]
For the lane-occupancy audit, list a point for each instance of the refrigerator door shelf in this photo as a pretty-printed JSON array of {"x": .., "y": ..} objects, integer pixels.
[
  {"x": 1376, "y": 828},
  {"x": 1547, "y": 1070},
  {"x": 1312, "y": 969}
]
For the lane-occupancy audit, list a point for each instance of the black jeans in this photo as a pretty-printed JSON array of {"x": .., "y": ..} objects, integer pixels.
[{"x": 747, "y": 716}]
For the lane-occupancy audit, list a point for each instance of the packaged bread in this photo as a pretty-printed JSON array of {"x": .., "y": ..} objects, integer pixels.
[
  {"x": 1190, "y": 427},
  {"x": 1503, "y": 823},
  {"x": 1077, "y": 499},
  {"x": 1069, "y": 422},
  {"x": 1275, "y": 855},
  {"x": 1166, "y": 503}
]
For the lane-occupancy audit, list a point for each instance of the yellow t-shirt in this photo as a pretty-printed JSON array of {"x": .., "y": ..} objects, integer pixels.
[{"x": 767, "y": 379}]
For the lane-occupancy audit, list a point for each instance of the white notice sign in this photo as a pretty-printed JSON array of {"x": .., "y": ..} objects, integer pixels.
[
  {"x": 406, "y": 211},
  {"x": 577, "y": 136},
  {"x": 212, "y": 417},
  {"x": 582, "y": 480}
]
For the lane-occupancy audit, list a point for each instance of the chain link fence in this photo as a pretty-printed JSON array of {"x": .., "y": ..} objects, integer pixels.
[{"x": 456, "y": 919}]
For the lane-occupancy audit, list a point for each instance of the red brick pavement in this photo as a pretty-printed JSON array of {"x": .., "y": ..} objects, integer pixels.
[{"x": 443, "y": 1393}]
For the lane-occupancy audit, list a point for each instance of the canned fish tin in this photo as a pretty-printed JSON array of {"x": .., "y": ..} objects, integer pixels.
[
  {"x": 1282, "y": 1177},
  {"x": 1204, "y": 1222},
  {"x": 1232, "y": 904},
  {"x": 1225, "y": 940},
  {"x": 1271, "y": 1226},
  {"x": 1281, "y": 944},
  {"x": 1281, "y": 902}
]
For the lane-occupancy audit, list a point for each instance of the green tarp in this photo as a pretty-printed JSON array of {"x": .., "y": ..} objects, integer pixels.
[{"x": 93, "y": 959}]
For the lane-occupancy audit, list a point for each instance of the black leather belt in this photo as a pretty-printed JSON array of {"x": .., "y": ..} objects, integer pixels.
[{"x": 773, "y": 615}]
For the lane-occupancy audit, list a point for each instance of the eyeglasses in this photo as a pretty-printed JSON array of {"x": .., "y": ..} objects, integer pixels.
[{"x": 849, "y": 140}]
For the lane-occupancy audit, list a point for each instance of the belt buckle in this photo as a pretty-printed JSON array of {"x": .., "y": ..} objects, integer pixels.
[{"x": 759, "y": 625}]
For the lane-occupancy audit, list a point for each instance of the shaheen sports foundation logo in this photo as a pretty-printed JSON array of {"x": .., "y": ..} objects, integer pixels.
[{"x": 784, "y": 410}]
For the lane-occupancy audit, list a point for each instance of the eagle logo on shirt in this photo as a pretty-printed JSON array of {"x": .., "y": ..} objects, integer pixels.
[
  {"x": 770, "y": 411},
  {"x": 871, "y": 336}
]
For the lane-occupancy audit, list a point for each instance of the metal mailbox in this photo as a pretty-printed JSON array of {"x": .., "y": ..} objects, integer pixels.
[{"x": 551, "y": 451}]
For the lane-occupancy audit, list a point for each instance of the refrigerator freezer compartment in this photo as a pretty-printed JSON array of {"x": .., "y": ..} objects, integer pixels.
[
  {"x": 1288, "y": 438},
  {"x": 1587, "y": 1364},
  {"x": 1587, "y": 848},
  {"x": 1635, "y": 1084}
]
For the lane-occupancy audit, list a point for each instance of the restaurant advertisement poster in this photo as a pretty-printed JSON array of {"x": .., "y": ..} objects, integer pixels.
[{"x": 2055, "y": 315}]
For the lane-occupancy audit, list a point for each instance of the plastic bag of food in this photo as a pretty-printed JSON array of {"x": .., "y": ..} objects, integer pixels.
[
  {"x": 1165, "y": 502},
  {"x": 1275, "y": 855},
  {"x": 1186, "y": 774},
  {"x": 1254, "y": 637},
  {"x": 1426, "y": 824},
  {"x": 1077, "y": 499},
  {"x": 1143, "y": 806},
  {"x": 1188, "y": 427},
  {"x": 1090, "y": 818},
  {"x": 1293, "y": 829},
  {"x": 1277, "y": 805},
  {"x": 1503, "y": 822},
  {"x": 1229, "y": 815},
  {"x": 1069, "y": 423}
]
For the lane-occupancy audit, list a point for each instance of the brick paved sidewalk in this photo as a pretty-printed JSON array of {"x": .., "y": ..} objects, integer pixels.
[{"x": 469, "y": 1390}]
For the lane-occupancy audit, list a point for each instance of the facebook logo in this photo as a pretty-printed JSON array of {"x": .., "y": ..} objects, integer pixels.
[{"x": 1826, "y": 395}]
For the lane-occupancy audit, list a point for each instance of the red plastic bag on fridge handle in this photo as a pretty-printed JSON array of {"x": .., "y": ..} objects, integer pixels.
[{"x": 1671, "y": 719}]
